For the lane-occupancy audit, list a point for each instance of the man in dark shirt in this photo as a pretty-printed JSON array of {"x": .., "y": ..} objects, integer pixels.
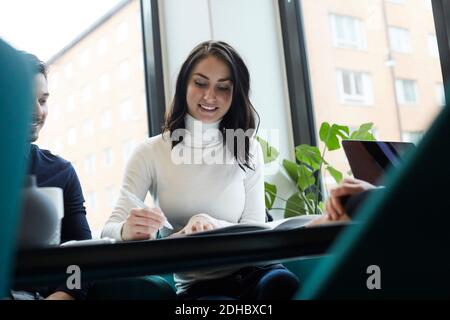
[{"x": 53, "y": 171}]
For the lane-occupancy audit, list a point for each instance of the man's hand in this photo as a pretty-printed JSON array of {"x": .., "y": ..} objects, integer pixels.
[
  {"x": 347, "y": 187},
  {"x": 326, "y": 218},
  {"x": 142, "y": 224}
]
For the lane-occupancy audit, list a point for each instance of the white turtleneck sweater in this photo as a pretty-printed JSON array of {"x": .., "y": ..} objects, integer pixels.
[{"x": 183, "y": 189}]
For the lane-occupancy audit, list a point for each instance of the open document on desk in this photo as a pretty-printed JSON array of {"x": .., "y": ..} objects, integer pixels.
[{"x": 277, "y": 225}]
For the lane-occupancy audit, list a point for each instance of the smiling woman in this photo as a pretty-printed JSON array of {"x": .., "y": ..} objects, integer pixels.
[
  {"x": 212, "y": 96},
  {"x": 210, "y": 90},
  {"x": 213, "y": 85}
]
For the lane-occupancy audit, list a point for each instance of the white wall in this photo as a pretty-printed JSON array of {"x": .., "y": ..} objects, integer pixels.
[
  {"x": 252, "y": 27},
  {"x": 184, "y": 24}
]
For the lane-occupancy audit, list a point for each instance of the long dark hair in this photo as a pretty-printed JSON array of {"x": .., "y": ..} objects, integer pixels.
[{"x": 241, "y": 114}]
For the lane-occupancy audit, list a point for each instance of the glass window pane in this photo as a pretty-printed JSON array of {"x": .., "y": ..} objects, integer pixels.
[
  {"x": 387, "y": 83},
  {"x": 410, "y": 93},
  {"x": 352, "y": 30},
  {"x": 340, "y": 28},
  {"x": 359, "y": 84},
  {"x": 347, "y": 83}
]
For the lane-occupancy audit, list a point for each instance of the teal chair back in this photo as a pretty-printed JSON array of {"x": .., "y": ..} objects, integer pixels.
[
  {"x": 400, "y": 248},
  {"x": 15, "y": 114}
]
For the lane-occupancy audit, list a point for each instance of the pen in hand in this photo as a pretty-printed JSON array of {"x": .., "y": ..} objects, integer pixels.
[{"x": 139, "y": 203}]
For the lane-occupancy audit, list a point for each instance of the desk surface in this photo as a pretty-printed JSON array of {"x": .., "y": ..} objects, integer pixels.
[{"x": 136, "y": 258}]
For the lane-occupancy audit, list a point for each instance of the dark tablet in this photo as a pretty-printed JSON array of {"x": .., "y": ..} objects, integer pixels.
[{"x": 369, "y": 160}]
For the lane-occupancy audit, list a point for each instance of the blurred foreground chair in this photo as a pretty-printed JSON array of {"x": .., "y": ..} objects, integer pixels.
[
  {"x": 403, "y": 239},
  {"x": 15, "y": 114}
]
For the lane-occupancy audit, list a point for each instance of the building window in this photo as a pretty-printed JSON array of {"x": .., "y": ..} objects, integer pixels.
[
  {"x": 127, "y": 150},
  {"x": 399, "y": 40},
  {"x": 412, "y": 136},
  {"x": 428, "y": 5},
  {"x": 122, "y": 32},
  {"x": 433, "y": 46},
  {"x": 88, "y": 129},
  {"x": 406, "y": 91},
  {"x": 126, "y": 109},
  {"x": 124, "y": 70},
  {"x": 354, "y": 87},
  {"x": 84, "y": 58},
  {"x": 68, "y": 70},
  {"x": 106, "y": 120},
  {"x": 102, "y": 46},
  {"x": 89, "y": 164},
  {"x": 348, "y": 32},
  {"x": 86, "y": 94},
  {"x": 105, "y": 82},
  {"x": 108, "y": 157},
  {"x": 440, "y": 95},
  {"x": 70, "y": 103},
  {"x": 72, "y": 136}
]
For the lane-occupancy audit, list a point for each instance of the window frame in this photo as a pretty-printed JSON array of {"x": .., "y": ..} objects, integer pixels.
[
  {"x": 441, "y": 14},
  {"x": 153, "y": 66},
  {"x": 297, "y": 72}
]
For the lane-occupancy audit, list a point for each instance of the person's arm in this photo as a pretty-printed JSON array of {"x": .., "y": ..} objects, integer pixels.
[
  {"x": 334, "y": 206},
  {"x": 126, "y": 221},
  {"x": 74, "y": 225}
]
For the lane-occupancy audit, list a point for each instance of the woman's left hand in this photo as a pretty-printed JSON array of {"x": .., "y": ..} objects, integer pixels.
[{"x": 198, "y": 223}]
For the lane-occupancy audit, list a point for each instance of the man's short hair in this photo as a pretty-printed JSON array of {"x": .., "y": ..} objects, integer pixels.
[{"x": 36, "y": 64}]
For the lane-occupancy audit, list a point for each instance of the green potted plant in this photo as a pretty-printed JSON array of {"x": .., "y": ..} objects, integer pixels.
[{"x": 308, "y": 167}]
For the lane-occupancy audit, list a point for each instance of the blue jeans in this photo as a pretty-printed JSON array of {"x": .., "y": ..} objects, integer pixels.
[{"x": 271, "y": 282}]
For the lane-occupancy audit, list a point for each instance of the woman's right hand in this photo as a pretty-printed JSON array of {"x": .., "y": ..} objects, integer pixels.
[{"x": 142, "y": 224}]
